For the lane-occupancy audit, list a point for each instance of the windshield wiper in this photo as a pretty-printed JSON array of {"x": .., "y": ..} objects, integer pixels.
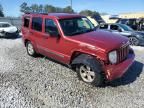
[
  {"x": 89, "y": 30},
  {"x": 76, "y": 33},
  {"x": 81, "y": 32}
]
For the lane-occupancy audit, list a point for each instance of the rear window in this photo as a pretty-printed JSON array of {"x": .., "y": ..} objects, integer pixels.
[
  {"x": 26, "y": 22},
  {"x": 37, "y": 24},
  {"x": 104, "y": 26}
]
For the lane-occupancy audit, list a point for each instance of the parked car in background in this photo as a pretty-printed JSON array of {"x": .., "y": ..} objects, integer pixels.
[
  {"x": 72, "y": 40},
  {"x": 135, "y": 37},
  {"x": 7, "y": 30},
  {"x": 141, "y": 24},
  {"x": 132, "y": 22},
  {"x": 135, "y": 23},
  {"x": 96, "y": 19}
]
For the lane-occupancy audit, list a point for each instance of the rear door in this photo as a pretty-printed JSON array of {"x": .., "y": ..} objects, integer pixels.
[{"x": 36, "y": 31}]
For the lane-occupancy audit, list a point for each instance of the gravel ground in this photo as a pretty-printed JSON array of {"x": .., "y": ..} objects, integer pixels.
[{"x": 27, "y": 82}]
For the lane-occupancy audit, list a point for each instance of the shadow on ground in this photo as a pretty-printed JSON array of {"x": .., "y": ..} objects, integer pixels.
[
  {"x": 11, "y": 37},
  {"x": 130, "y": 76}
]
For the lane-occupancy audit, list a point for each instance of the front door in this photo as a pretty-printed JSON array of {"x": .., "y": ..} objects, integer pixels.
[{"x": 52, "y": 41}]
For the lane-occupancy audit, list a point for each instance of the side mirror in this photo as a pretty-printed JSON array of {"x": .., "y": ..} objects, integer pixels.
[{"x": 120, "y": 30}]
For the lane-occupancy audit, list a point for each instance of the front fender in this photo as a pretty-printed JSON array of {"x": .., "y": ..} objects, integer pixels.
[{"x": 97, "y": 54}]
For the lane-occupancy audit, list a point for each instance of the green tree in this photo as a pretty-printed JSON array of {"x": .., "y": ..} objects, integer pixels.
[
  {"x": 58, "y": 9},
  {"x": 88, "y": 13},
  {"x": 1, "y": 11},
  {"x": 44, "y": 8},
  {"x": 40, "y": 8},
  {"x": 34, "y": 8},
  {"x": 49, "y": 8},
  {"x": 68, "y": 9}
]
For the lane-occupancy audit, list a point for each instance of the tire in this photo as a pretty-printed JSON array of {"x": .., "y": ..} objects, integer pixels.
[
  {"x": 90, "y": 72},
  {"x": 133, "y": 41},
  {"x": 30, "y": 49}
]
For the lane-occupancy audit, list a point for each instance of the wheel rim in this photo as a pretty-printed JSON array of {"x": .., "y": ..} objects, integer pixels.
[
  {"x": 133, "y": 41},
  {"x": 30, "y": 49},
  {"x": 87, "y": 74}
]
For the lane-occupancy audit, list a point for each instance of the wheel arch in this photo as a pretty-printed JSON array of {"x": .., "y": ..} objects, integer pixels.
[
  {"x": 79, "y": 57},
  {"x": 33, "y": 43},
  {"x": 25, "y": 42}
]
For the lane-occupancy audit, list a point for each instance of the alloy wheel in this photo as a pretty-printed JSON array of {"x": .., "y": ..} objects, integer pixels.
[
  {"x": 87, "y": 74},
  {"x": 30, "y": 49},
  {"x": 133, "y": 41}
]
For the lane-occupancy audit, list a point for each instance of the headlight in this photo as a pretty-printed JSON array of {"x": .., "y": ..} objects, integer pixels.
[
  {"x": 138, "y": 35},
  {"x": 113, "y": 57}
]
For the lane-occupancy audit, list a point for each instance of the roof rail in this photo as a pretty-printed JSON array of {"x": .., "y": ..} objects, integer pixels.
[{"x": 44, "y": 13}]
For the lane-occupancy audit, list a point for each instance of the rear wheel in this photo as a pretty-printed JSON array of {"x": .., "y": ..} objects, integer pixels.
[
  {"x": 30, "y": 49},
  {"x": 133, "y": 41}
]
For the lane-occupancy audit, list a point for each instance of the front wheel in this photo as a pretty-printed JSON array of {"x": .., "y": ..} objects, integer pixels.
[
  {"x": 133, "y": 41},
  {"x": 91, "y": 73}
]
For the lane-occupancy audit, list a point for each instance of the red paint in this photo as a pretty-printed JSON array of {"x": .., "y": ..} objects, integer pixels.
[{"x": 96, "y": 43}]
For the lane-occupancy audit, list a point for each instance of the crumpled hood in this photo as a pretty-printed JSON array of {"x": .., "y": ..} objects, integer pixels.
[
  {"x": 11, "y": 29},
  {"x": 102, "y": 39}
]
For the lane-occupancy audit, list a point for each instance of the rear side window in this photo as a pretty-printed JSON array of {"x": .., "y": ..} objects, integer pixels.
[
  {"x": 132, "y": 22},
  {"x": 37, "y": 24},
  {"x": 26, "y": 22},
  {"x": 50, "y": 26},
  {"x": 104, "y": 26}
]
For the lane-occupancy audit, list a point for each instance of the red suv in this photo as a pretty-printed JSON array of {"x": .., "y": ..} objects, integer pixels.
[{"x": 72, "y": 39}]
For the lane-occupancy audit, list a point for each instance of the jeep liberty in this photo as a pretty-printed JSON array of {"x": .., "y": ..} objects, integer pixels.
[{"x": 72, "y": 40}]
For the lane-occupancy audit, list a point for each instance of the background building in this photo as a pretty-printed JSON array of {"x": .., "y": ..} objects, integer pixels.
[{"x": 123, "y": 15}]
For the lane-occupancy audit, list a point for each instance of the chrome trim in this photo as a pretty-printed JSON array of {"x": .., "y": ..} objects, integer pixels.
[{"x": 125, "y": 44}]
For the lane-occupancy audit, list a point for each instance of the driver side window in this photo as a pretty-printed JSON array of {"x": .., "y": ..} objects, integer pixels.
[
  {"x": 50, "y": 26},
  {"x": 114, "y": 27}
]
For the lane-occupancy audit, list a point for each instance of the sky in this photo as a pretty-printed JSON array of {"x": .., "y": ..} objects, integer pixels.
[{"x": 113, "y": 7}]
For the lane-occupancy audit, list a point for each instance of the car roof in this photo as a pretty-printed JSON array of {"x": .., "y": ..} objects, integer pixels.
[{"x": 56, "y": 15}]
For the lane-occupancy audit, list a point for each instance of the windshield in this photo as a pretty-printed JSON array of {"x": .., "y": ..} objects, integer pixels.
[
  {"x": 123, "y": 21},
  {"x": 76, "y": 26},
  {"x": 125, "y": 27}
]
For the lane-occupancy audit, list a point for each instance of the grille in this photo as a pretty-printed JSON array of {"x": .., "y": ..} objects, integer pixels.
[{"x": 122, "y": 53}]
